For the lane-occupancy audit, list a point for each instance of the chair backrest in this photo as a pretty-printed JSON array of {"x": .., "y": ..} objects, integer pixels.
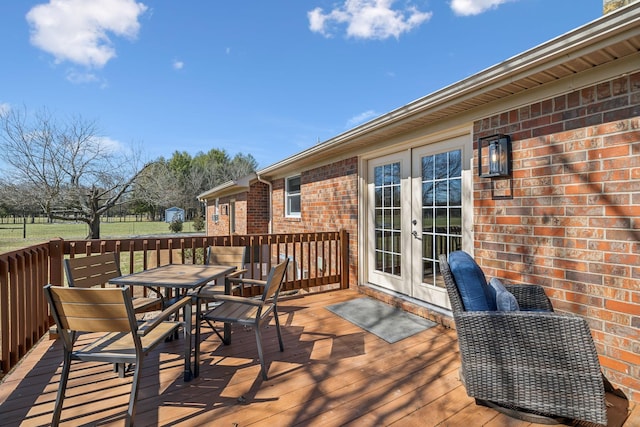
[
  {"x": 469, "y": 282},
  {"x": 274, "y": 281},
  {"x": 92, "y": 270},
  {"x": 91, "y": 309},
  {"x": 450, "y": 284},
  {"x": 227, "y": 255}
]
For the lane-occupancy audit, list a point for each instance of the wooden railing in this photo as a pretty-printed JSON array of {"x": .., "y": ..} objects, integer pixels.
[{"x": 315, "y": 260}]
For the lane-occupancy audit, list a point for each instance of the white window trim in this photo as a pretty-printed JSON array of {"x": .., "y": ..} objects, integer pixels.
[{"x": 287, "y": 195}]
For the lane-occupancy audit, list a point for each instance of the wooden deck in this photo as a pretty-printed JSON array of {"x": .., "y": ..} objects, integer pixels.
[{"x": 331, "y": 373}]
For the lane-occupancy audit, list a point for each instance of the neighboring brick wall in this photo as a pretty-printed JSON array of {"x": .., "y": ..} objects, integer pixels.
[
  {"x": 569, "y": 218},
  {"x": 258, "y": 209},
  {"x": 222, "y": 226},
  {"x": 255, "y": 202},
  {"x": 329, "y": 202}
]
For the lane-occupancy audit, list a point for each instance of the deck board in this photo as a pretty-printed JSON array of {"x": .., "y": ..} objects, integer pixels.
[{"x": 332, "y": 373}]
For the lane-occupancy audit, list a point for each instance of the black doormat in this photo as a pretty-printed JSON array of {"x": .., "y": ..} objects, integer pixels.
[{"x": 389, "y": 323}]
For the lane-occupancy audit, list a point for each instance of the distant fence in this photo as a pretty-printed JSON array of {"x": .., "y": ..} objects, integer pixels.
[{"x": 316, "y": 260}]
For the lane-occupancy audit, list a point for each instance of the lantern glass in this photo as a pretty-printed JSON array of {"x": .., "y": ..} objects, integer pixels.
[{"x": 494, "y": 156}]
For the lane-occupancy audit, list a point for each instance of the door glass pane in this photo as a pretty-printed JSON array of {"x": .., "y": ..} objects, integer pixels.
[
  {"x": 388, "y": 221},
  {"x": 441, "y": 210}
]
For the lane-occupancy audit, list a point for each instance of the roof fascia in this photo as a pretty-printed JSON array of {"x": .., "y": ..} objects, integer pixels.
[{"x": 229, "y": 188}]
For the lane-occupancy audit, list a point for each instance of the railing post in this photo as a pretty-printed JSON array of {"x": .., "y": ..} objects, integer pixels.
[
  {"x": 344, "y": 253},
  {"x": 56, "y": 256}
]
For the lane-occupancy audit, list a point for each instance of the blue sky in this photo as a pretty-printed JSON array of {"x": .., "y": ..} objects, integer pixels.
[{"x": 267, "y": 78}]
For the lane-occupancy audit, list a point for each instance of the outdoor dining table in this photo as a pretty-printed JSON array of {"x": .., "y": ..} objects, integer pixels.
[{"x": 182, "y": 278}]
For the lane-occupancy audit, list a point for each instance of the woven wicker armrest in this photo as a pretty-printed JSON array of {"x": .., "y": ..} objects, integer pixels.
[
  {"x": 530, "y": 297},
  {"x": 542, "y": 361}
]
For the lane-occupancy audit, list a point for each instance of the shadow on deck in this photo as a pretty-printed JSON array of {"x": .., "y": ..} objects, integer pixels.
[{"x": 331, "y": 373}]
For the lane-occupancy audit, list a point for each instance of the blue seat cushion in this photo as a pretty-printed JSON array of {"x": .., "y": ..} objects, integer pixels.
[
  {"x": 505, "y": 300},
  {"x": 476, "y": 294}
]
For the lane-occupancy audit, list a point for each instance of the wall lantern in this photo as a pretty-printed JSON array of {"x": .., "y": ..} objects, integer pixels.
[{"x": 494, "y": 156}]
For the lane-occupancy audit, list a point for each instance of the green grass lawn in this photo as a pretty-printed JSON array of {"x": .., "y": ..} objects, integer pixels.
[{"x": 11, "y": 235}]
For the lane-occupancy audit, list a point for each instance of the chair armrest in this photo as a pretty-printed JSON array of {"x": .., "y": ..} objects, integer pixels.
[
  {"x": 248, "y": 281},
  {"x": 149, "y": 325},
  {"x": 542, "y": 361},
  {"x": 530, "y": 297},
  {"x": 240, "y": 300},
  {"x": 237, "y": 273}
]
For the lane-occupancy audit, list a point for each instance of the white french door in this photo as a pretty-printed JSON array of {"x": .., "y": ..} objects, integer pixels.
[{"x": 415, "y": 213}]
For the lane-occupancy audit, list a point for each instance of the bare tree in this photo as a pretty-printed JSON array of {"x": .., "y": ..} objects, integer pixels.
[
  {"x": 156, "y": 188},
  {"x": 69, "y": 169}
]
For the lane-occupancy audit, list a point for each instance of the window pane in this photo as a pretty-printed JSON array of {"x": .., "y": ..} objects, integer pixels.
[
  {"x": 427, "y": 193},
  {"x": 455, "y": 163},
  {"x": 441, "y": 166},
  {"x": 378, "y": 173},
  {"x": 427, "y": 168},
  {"x": 441, "y": 193},
  {"x": 455, "y": 221},
  {"x": 294, "y": 204},
  {"x": 293, "y": 184},
  {"x": 455, "y": 192}
]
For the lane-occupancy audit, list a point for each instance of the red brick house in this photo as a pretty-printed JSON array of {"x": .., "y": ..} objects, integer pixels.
[{"x": 408, "y": 186}]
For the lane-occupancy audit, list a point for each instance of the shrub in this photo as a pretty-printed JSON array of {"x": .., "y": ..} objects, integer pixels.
[
  {"x": 175, "y": 225},
  {"x": 198, "y": 222}
]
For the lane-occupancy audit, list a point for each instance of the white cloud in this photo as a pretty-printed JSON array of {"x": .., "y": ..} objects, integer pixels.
[
  {"x": 78, "y": 77},
  {"x": 178, "y": 65},
  {"x": 78, "y": 30},
  {"x": 474, "y": 7},
  {"x": 367, "y": 19},
  {"x": 361, "y": 118},
  {"x": 4, "y": 108},
  {"x": 111, "y": 145}
]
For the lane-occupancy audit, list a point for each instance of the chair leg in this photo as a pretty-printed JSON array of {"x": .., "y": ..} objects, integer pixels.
[
  {"x": 225, "y": 342},
  {"x": 134, "y": 391},
  {"x": 275, "y": 316},
  {"x": 64, "y": 378},
  {"x": 260, "y": 356}
]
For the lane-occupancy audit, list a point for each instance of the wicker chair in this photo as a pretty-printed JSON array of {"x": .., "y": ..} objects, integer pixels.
[{"x": 534, "y": 364}]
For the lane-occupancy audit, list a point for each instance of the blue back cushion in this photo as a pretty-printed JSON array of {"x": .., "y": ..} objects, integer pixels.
[
  {"x": 472, "y": 284},
  {"x": 505, "y": 301}
]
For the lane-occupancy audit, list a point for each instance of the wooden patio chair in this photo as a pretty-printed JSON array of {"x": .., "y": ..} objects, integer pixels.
[
  {"x": 223, "y": 255},
  {"x": 97, "y": 270},
  {"x": 523, "y": 359},
  {"x": 252, "y": 312},
  {"x": 108, "y": 311}
]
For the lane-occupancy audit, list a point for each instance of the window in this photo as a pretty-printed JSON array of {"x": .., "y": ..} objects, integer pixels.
[
  {"x": 388, "y": 216},
  {"x": 292, "y": 198}
]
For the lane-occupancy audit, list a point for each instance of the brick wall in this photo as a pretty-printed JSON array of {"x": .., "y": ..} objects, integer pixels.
[
  {"x": 253, "y": 202},
  {"x": 221, "y": 227},
  {"x": 569, "y": 218},
  {"x": 329, "y": 202},
  {"x": 258, "y": 209}
]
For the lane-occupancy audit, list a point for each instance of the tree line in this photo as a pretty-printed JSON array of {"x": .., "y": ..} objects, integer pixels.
[{"x": 65, "y": 170}]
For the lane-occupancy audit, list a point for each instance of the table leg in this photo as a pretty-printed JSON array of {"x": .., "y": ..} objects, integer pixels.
[
  {"x": 188, "y": 374},
  {"x": 227, "y": 326},
  {"x": 196, "y": 357}
]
